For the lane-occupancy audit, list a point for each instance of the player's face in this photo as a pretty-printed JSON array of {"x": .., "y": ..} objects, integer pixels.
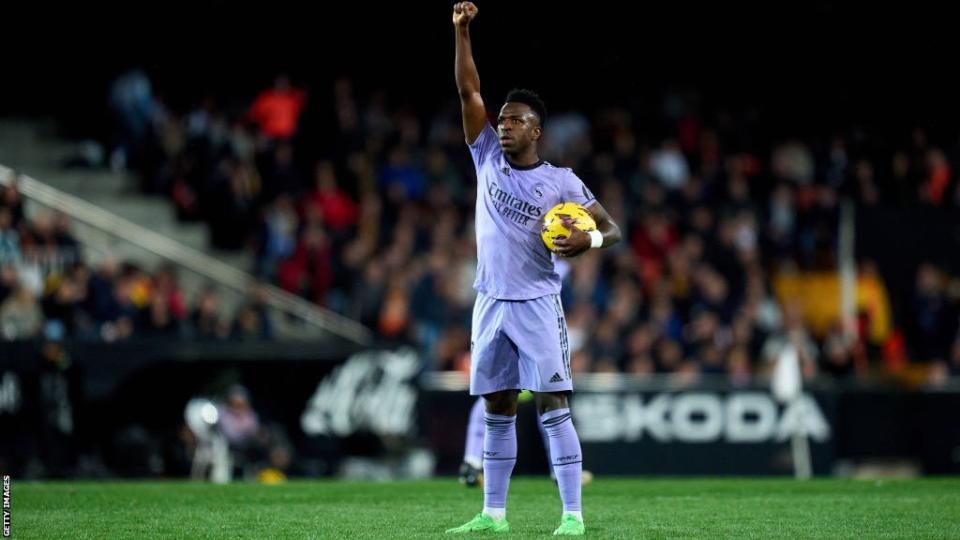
[{"x": 517, "y": 126}]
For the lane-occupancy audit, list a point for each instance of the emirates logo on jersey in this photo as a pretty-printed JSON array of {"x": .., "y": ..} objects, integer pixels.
[{"x": 512, "y": 207}]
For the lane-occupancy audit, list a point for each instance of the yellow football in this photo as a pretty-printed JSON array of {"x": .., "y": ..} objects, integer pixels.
[{"x": 570, "y": 213}]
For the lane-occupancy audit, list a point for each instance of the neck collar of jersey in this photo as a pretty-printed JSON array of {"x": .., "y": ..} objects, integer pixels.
[{"x": 524, "y": 167}]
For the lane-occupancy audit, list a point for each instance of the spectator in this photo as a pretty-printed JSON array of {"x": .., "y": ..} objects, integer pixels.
[
  {"x": 309, "y": 272},
  {"x": 793, "y": 162},
  {"x": 67, "y": 246},
  {"x": 402, "y": 177},
  {"x": 158, "y": 321},
  {"x": 794, "y": 334},
  {"x": 11, "y": 200},
  {"x": 838, "y": 355},
  {"x": 281, "y": 174},
  {"x": 65, "y": 294},
  {"x": 669, "y": 166},
  {"x": 276, "y": 111},
  {"x": 20, "y": 315},
  {"x": 9, "y": 238},
  {"x": 165, "y": 285},
  {"x": 232, "y": 206},
  {"x": 252, "y": 322},
  {"x": 935, "y": 319},
  {"x": 338, "y": 210},
  {"x": 135, "y": 112},
  {"x": 241, "y": 427},
  {"x": 652, "y": 243},
  {"x": 8, "y": 280},
  {"x": 205, "y": 322},
  {"x": 934, "y": 188},
  {"x": 277, "y": 237}
]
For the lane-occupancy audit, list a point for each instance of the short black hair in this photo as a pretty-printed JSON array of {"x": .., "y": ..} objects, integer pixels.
[{"x": 531, "y": 99}]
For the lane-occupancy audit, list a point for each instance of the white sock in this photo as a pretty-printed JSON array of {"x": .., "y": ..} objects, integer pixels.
[
  {"x": 498, "y": 514},
  {"x": 575, "y": 513}
]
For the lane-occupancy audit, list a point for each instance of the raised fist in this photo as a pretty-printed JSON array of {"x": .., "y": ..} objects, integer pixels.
[{"x": 463, "y": 13}]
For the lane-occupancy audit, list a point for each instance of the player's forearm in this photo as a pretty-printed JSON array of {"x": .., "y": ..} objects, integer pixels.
[
  {"x": 468, "y": 80},
  {"x": 610, "y": 231}
]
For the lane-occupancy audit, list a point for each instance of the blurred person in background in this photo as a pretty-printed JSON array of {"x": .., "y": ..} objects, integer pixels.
[
  {"x": 335, "y": 206},
  {"x": 206, "y": 323},
  {"x": 65, "y": 294},
  {"x": 277, "y": 236},
  {"x": 135, "y": 113},
  {"x": 20, "y": 315},
  {"x": 12, "y": 201},
  {"x": 934, "y": 317},
  {"x": 57, "y": 394},
  {"x": 252, "y": 321},
  {"x": 276, "y": 111},
  {"x": 241, "y": 426},
  {"x": 9, "y": 238},
  {"x": 258, "y": 450},
  {"x": 793, "y": 334}
]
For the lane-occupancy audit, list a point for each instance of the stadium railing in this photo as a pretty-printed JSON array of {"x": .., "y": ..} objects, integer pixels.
[{"x": 108, "y": 224}]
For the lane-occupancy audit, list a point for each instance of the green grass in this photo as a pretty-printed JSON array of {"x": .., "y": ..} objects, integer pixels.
[{"x": 613, "y": 508}]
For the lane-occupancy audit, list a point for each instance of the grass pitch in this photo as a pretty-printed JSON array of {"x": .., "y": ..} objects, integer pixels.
[{"x": 613, "y": 508}]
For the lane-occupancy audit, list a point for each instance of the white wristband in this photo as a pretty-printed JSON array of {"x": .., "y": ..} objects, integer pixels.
[{"x": 596, "y": 239}]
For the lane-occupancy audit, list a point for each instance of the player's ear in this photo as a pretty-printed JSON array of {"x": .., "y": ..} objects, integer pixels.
[{"x": 537, "y": 131}]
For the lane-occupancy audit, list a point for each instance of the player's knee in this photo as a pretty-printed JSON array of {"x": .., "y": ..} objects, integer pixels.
[
  {"x": 503, "y": 402},
  {"x": 551, "y": 401}
]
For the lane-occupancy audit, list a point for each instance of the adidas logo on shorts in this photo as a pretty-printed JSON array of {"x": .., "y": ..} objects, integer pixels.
[{"x": 556, "y": 378}]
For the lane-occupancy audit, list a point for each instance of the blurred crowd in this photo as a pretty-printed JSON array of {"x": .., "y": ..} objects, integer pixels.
[
  {"x": 48, "y": 290},
  {"x": 365, "y": 206}
]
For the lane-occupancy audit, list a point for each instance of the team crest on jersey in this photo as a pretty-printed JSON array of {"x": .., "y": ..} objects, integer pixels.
[{"x": 538, "y": 191}]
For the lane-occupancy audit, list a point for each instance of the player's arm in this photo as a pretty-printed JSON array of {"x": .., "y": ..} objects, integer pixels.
[
  {"x": 468, "y": 80},
  {"x": 578, "y": 241}
]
